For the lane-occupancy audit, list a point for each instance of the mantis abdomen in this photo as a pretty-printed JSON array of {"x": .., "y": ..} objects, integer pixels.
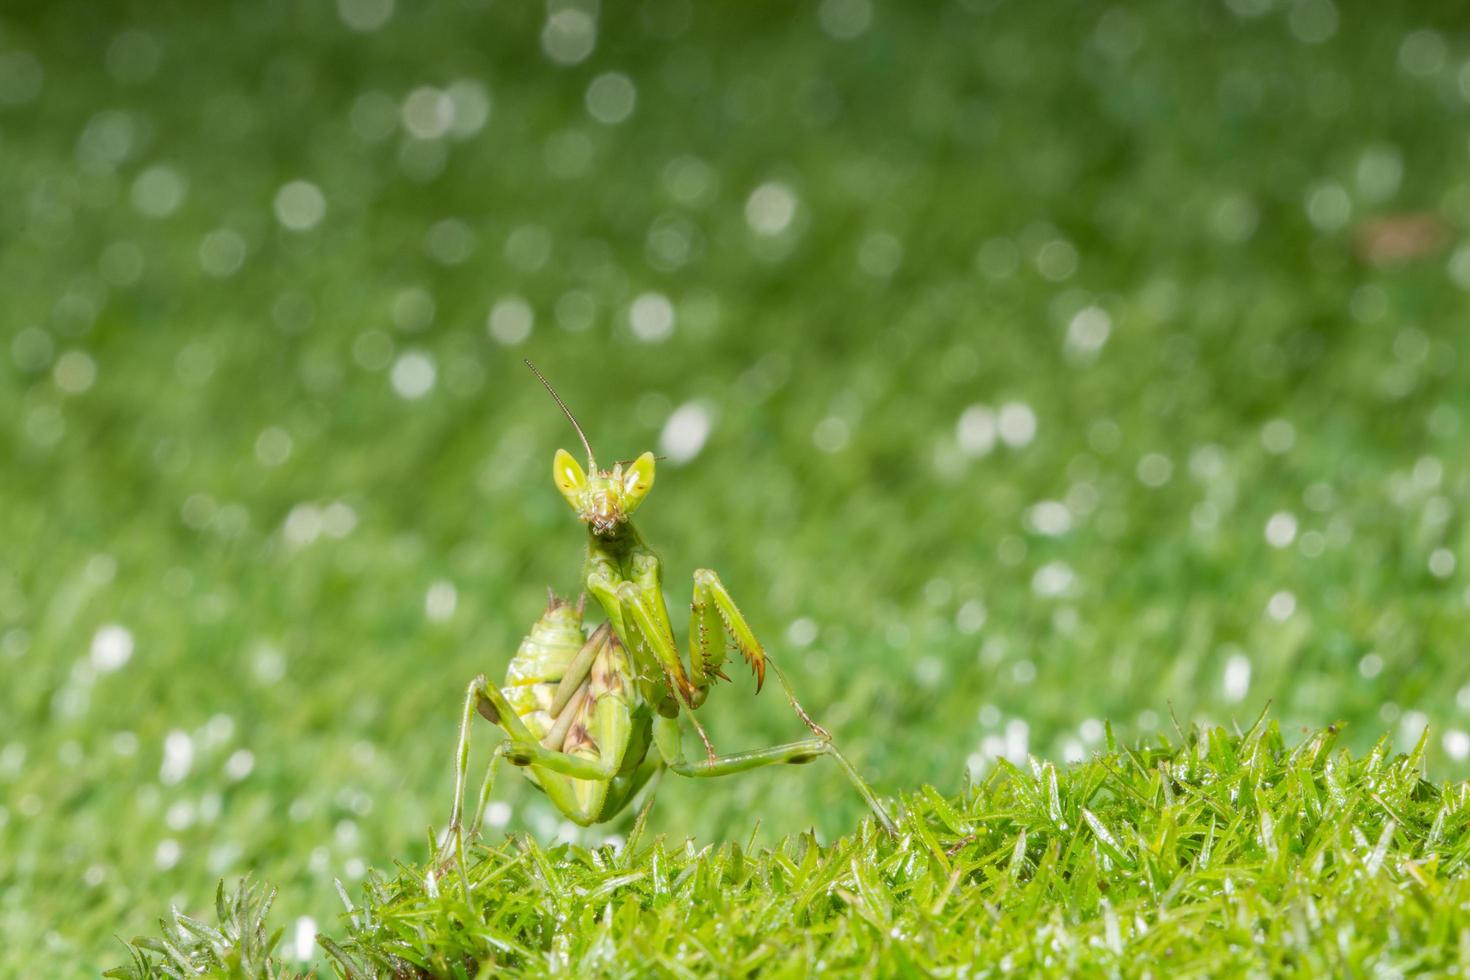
[{"x": 563, "y": 717}]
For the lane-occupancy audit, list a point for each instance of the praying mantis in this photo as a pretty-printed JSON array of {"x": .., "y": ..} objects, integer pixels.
[{"x": 593, "y": 718}]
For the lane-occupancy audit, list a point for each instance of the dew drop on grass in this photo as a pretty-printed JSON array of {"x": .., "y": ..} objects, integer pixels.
[
  {"x": 1016, "y": 424},
  {"x": 32, "y": 349},
  {"x": 75, "y": 372},
  {"x": 976, "y": 431},
  {"x": 373, "y": 350},
  {"x": 845, "y": 20},
  {"x": 1281, "y": 605},
  {"x": 685, "y": 432},
  {"x": 928, "y": 671},
  {"x": 303, "y": 525},
  {"x": 167, "y": 854},
  {"x": 178, "y": 757},
  {"x": 339, "y": 519},
  {"x": 569, "y": 36},
  {"x": 303, "y": 943},
  {"x": 1313, "y": 21},
  {"x": 1456, "y": 744},
  {"x": 1057, "y": 259},
  {"x": 1281, "y": 529},
  {"x": 413, "y": 375},
  {"x": 1154, "y": 469},
  {"x": 576, "y": 311},
  {"x": 299, "y": 205},
  {"x": 1237, "y": 680},
  {"x": 427, "y": 113},
  {"x": 112, "y": 647},
  {"x": 1423, "y": 53},
  {"x": 1017, "y": 739},
  {"x": 611, "y": 98},
  {"x": 221, "y": 253},
  {"x": 364, "y": 16},
  {"x": 413, "y": 309},
  {"x": 651, "y": 318},
  {"x": 159, "y": 191},
  {"x": 1088, "y": 330},
  {"x": 222, "y": 857},
  {"x": 770, "y": 208},
  {"x": 831, "y": 434},
  {"x": 1054, "y": 580},
  {"x": 970, "y": 617},
  {"x": 449, "y": 242},
  {"x": 21, "y": 77},
  {"x": 1278, "y": 436},
  {"x": 1049, "y": 518},
  {"x": 180, "y": 815},
  {"x": 218, "y": 730},
  {"x": 373, "y": 117},
  {"x": 802, "y": 632},
  {"x": 440, "y": 601},
  {"x": 239, "y": 764},
  {"x": 1411, "y": 727},
  {"x": 273, "y": 446}
]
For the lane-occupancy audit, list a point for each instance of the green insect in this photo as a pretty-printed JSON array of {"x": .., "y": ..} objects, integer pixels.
[{"x": 581, "y": 711}]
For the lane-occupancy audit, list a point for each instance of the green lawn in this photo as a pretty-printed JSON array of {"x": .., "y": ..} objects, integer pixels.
[{"x": 1048, "y": 383}]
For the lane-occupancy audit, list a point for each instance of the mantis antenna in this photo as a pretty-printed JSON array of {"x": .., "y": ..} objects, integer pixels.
[{"x": 591, "y": 460}]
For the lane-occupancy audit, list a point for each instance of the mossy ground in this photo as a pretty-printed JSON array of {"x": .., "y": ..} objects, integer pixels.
[{"x": 1227, "y": 854}]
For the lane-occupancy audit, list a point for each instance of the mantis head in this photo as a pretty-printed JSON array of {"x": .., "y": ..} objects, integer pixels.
[{"x": 603, "y": 499}]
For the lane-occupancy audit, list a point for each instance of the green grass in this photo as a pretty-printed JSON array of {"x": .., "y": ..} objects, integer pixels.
[
  {"x": 203, "y": 450},
  {"x": 1225, "y": 854}
]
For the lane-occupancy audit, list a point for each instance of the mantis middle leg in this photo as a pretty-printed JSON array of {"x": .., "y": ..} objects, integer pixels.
[{"x": 669, "y": 741}]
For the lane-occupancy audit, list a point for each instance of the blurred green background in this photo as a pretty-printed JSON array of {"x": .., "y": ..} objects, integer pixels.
[{"x": 1020, "y": 366}]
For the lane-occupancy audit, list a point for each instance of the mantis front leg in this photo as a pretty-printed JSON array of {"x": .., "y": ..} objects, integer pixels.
[
  {"x": 638, "y": 614},
  {"x": 714, "y": 612}
]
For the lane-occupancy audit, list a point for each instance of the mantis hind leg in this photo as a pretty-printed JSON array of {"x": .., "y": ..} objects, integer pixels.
[
  {"x": 581, "y": 804},
  {"x": 625, "y": 788}
]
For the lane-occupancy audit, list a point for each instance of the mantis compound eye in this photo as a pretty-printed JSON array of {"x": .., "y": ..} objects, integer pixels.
[
  {"x": 637, "y": 481},
  {"x": 569, "y": 478}
]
